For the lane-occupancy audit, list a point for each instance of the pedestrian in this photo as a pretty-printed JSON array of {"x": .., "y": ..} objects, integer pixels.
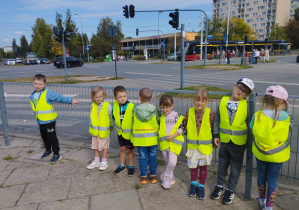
[
  {"x": 218, "y": 54},
  {"x": 266, "y": 58},
  {"x": 199, "y": 126},
  {"x": 231, "y": 129},
  {"x": 171, "y": 138},
  {"x": 257, "y": 55},
  {"x": 233, "y": 52},
  {"x": 100, "y": 126},
  {"x": 146, "y": 120},
  {"x": 90, "y": 58},
  {"x": 271, "y": 146},
  {"x": 41, "y": 101},
  {"x": 223, "y": 54},
  {"x": 122, "y": 113},
  {"x": 229, "y": 55}
]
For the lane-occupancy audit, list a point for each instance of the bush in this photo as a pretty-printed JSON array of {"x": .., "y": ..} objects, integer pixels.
[
  {"x": 98, "y": 60},
  {"x": 139, "y": 57}
]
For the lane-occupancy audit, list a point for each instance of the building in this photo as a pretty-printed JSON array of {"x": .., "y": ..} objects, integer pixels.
[
  {"x": 7, "y": 49},
  {"x": 294, "y": 5},
  {"x": 153, "y": 44},
  {"x": 259, "y": 14}
]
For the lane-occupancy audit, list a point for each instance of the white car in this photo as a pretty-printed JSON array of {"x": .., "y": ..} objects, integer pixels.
[
  {"x": 171, "y": 56},
  {"x": 11, "y": 62},
  {"x": 19, "y": 60}
]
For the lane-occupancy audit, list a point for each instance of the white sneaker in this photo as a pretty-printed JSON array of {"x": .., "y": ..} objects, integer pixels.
[
  {"x": 93, "y": 165},
  {"x": 103, "y": 166}
]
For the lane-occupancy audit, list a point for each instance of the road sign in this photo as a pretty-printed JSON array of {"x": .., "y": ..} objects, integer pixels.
[
  {"x": 210, "y": 37},
  {"x": 225, "y": 37},
  {"x": 89, "y": 45},
  {"x": 87, "y": 48},
  {"x": 162, "y": 43},
  {"x": 112, "y": 31}
]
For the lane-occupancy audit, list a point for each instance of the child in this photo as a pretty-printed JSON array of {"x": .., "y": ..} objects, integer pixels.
[
  {"x": 100, "y": 127},
  {"x": 171, "y": 138},
  {"x": 41, "y": 102},
  {"x": 271, "y": 127},
  {"x": 145, "y": 135},
  {"x": 230, "y": 123},
  {"x": 122, "y": 113},
  {"x": 199, "y": 125}
]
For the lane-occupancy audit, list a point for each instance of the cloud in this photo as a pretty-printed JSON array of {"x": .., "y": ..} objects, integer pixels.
[
  {"x": 18, "y": 32},
  {"x": 6, "y": 40}
]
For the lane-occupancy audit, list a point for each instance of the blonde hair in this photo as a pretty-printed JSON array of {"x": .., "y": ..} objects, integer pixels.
[
  {"x": 273, "y": 101},
  {"x": 201, "y": 93},
  {"x": 96, "y": 90}
]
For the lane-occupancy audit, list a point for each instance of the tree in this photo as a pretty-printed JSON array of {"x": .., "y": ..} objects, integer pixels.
[
  {"x": 296, "y": 15},
  {"x": 15, "y": 48},
  {"x": 292, "y": 34},
  {"x": 277, "y": 33},
  {"x": 24, "y": 46}
]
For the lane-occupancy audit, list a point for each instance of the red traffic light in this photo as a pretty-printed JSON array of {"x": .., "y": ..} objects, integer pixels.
[{"x": 132, "y": 10}]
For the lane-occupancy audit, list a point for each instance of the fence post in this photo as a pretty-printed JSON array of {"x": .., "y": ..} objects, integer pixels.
[
  {"x": 3, "y": 115},
  {"x": 249, "y": 155}
]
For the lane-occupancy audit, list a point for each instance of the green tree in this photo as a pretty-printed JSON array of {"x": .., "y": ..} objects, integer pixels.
[
  {"x": 296, "y": 15},
  {"x": 277, "y": 33},
  {"x": 292, "y": 34},
  {"x": 24, "y": 46}
]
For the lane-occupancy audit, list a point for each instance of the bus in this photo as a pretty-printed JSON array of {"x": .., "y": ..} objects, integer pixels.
[
  {"x": 30, "y": 58},
  {"x": 192, "y": 48}
]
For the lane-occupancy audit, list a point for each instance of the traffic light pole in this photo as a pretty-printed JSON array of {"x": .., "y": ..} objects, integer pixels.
[
  {"x": 115, "y": 57},
  {"x": 64, "y": 60}
]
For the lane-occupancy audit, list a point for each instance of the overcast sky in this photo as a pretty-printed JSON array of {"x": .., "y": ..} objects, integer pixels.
[{"x": 18, "y": 16}]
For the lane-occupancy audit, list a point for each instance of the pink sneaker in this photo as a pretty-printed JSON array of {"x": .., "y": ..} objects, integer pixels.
[{"x": 168, "y": 181}]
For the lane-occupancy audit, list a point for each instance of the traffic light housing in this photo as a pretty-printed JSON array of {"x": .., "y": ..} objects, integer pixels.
[
  {"x": 132, "y": 11},
  {"x": 126, "y": 11},
  {"x": 58, "y": 33},
  {"x": 137, "y": 31},
  {"x": 66, "y": 35},
  {"x": 246, "y": 39},
  {"x": 175, "y": 19}
]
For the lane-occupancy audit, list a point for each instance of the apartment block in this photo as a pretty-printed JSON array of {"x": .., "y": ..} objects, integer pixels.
[
  {"x": 294, "y": 5},
  {"x": 260, "y": 15}
]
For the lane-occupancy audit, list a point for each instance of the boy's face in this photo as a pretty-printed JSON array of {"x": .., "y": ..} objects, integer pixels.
[
  {"x": 39, "y": 85},
  {"x": 200, "y": 103},
  {"x": 166, "y": 109},
  {"x": 121, "y": 97},
  {"x": 240, "y": 91}
]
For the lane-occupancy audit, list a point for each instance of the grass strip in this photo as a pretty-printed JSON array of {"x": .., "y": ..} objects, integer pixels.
[{"x": 223, "y": 67}]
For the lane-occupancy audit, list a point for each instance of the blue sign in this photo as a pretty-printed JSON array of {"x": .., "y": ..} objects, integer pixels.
[
  {"x": 225, "y": 37},
  {"x": 87, "y": 48},
  {"x": 210, "y": 37},
  {"x": 162, "y": 43}
]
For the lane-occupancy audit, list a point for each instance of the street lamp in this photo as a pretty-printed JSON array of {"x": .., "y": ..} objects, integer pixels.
[
  {"x": 82, "y": 35},
  {"x": 158, "y": 32}
]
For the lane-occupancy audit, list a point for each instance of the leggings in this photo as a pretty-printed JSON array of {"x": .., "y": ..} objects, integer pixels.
[{"x": 202, "y": 174}]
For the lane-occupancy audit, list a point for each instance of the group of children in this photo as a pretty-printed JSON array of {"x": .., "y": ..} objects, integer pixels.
[{"x": 144, "y": 127}]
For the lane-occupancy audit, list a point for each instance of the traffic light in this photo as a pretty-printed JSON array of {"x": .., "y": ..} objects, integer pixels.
[
  {"x": 246, "y": 39},
  {"x": 126, "y": 12},
  {"x": 65, "y": 36},
  {"x": 137, "y": 31},
  {"x": 132, "y": 11},
  {"x": 175, "y": 19},
  {"x": 58, "y": 33}
]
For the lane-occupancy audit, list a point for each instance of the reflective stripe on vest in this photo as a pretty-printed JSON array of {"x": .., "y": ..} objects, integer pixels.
[
  {"x": 42, "y": 110},
  {"x": 271, "y": 144},
  {"x": 202, "y": 141},
  {"x": 123, "y": 128},
  {"x": 176, "y": 144},
  {"x": 145, "y": 134},
  {"x": 99, "y": 125},
  {"x": 237, "y": 131}
]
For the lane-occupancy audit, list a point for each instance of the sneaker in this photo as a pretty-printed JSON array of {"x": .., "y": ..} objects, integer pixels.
[
  {"x": 46, "y": 154},
  {"x": 217, "y": 193},
  {"x": 201, "y": 193},
  {"x": 193, "y": 190},
  {"x": 262, "y": 202},
  {"x": 131, "y": 170},
  {"x": 167, "y": 182},
  {"x": 267, "y": 208},
  {"x": 143, "y": 179},
  {"x": 119, "y": 169},
  {"x": 103, "y": 166},
  {"x": 152, "y": 178},
  {"x": 228, "y": 196},
  {"x": 55, "y": 158},
  {"x": 93, "y": 165}
]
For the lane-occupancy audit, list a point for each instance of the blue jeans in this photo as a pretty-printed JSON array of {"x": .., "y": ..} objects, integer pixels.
[
  {"x": 147, "y": 156},
  {"x": 268, "y": 172}
]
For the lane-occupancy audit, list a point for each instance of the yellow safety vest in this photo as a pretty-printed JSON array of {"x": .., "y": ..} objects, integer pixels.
[
  {"x": 176, "y": 144},
  {"x": 43, "y": 111},
  {"x": 271, "y": 144},
  {"x": 145, "y": 134},
  {"x": 99, "y": 126},
  {"x": 237, "y": 131},
  {"x": 202, "y": 141},
  {"x": 124, "y": 129}
]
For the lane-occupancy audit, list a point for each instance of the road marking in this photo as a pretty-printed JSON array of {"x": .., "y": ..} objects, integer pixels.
[{"x": 291, "y": 64}]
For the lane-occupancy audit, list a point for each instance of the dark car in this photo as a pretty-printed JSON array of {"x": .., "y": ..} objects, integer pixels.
[
  {"x": 70, "y": 62},
  {"x": 297, "y": 59},
  {"x": 44, "y": 61}
]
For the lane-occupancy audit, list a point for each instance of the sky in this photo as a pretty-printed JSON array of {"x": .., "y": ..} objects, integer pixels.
[{"x": 17, "y": 17}]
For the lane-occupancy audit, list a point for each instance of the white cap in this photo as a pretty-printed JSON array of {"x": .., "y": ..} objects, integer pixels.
[{"x": 248, "y": 82}]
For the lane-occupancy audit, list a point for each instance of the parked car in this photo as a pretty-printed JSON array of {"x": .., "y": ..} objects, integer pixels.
[
  {"x": 5, "y": 61},
  {"x": 297, "y": 59},
  {"x": 171, "y": 56},
  {"x": 43, "y": 61},
  {"x": 19, "y": 60},
  {"x": 70, "y": 62},
  {"x": 10, "y": 62}
]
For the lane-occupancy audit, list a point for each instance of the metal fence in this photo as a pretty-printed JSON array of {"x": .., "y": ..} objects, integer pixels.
[{"x": 74, "y": 121}]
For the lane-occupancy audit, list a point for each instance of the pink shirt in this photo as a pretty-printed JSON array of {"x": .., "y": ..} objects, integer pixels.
[{"x": 170, "y": 121}]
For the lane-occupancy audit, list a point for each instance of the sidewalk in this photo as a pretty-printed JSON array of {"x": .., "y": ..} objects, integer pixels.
[{"x": 29, "y": 183}]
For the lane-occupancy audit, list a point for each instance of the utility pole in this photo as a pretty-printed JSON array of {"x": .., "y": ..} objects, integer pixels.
[
  {"x": 227, "y": 27},
  {"x": 182, "y": 55},
  {"x": 201, "y": 34}
]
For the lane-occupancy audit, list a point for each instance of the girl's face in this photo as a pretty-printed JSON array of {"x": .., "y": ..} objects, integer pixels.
[
  {"x": 98, "y": 97},
  {"x": 166, "y": 109},
  {"x": 200, "y": 103}
]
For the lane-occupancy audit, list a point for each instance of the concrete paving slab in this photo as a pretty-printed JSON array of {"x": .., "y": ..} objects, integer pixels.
[
  {"x": 71, "y": 143},
  {"x": 21, "y": 142},
  {"x": 290, "y": 201},
  {"x": 125, "y": 200},
  {"x": 71, "y": 204},
  {"x": 3, "y": 164},
  {"x": 66, "y": 169},
  {"x": 12, "y": 151},
  {"x": 98, "y": 183},
  {"x": 28, "y": 175},
  {"x": 39, "y": 192},
  {"x": 82, "y": 156},
  {"x": 4, "y": 175},
  {"x": 37, "y": 143},
  {"x": 26, "y": 207},
  {"x": 10, "y": 195},
  {"x": 18, "y": 164}
]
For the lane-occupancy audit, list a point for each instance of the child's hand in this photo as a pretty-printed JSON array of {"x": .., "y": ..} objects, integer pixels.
[
  {"x": 75, "y": 102},
  {"x": 170, "y": 138},
  {"x": 217, "y": 142},
  {"x": 111, "y": 128}
]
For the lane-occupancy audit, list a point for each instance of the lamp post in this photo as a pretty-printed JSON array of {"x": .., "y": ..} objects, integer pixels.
[
  {"x": 82, "y": 36},
  {"x": 158, "y": 32}
]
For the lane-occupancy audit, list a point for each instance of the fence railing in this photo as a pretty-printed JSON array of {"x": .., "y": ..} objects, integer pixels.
[{"x": 17, "y": 116}]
